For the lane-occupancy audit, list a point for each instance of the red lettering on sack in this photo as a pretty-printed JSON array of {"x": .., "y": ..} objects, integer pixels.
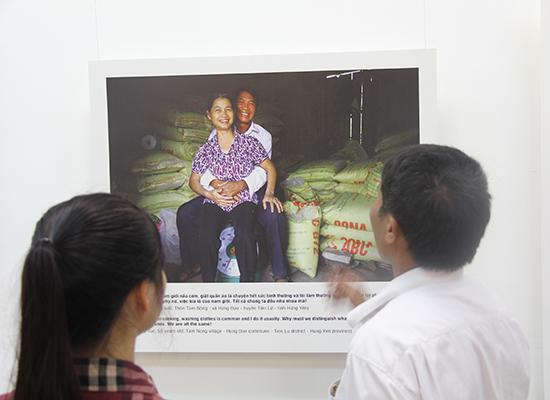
[
  {"x": 315, "y": 235},
  {"x": 345, "y": 247},
  {"x": 355, "y": 246},
  {"x": 367, "y": 245},
  {"x": 315, "y": 250},
  {"x": 351, "y": 225},
  {"x": 362, "y": 247},
  {"x": 316, "y": 222}
]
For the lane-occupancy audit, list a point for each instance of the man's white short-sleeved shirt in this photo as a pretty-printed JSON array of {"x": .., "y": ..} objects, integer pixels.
[{"x": 435, "y": 335}]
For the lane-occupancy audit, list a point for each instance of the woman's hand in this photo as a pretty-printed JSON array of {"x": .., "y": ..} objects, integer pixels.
[
  {"x": 274, "y": 201},
  {"x": 220, "y": 199},
  {"x": 230, "y": 188},
  {"x": 214, "y": 195}
]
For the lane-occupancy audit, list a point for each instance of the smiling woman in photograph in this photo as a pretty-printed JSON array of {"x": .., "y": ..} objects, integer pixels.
[{"x": 230, "y": 156}]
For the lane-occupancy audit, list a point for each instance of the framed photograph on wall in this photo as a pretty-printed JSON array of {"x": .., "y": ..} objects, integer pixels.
[{"x": 333, "y": 120}]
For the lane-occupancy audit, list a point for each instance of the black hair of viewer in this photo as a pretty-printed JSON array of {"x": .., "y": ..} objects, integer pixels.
[
  {"x": 86, "y": 256},
  {"x": 439, "y": 197}
]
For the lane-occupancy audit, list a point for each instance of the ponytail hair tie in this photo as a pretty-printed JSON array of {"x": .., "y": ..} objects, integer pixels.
[{"x": 47, "y": 241}]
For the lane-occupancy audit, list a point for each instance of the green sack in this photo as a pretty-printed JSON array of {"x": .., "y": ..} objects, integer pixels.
[
  {"x": 323, "y": 186},
  {"x": 303, "y": 237},
  {"x": 184, "y": 150},
  {"x": 352, "y": 151},
  {"x": 301, "y": 189},
  {"x": 155, "y": 201},
  {"x": 321, "y": 170},
  {"x": 339, "y": 232},
  {"x": 175, "y": 116},
  {"x": 356, "y": 172},
  {"x": 161, "y": 182},
  {"x": 349, "y": 210},
  {"x": 351, "y": 188},
  {"x": 397, "y": 139},
  {"x": 199, "y": 134},
  {"x": 157, "y": 163}
]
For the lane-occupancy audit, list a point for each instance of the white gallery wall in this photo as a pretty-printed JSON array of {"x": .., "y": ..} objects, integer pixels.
[{"x": 488, "y": 79}]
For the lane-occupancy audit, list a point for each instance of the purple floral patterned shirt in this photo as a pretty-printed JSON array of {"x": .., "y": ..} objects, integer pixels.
[{"x": 245, "y": 152}]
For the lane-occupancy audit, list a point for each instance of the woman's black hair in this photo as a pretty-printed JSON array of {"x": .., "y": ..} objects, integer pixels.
[
  {"x": 217, "y": 95},
  {"x": 87, "y": 255}
]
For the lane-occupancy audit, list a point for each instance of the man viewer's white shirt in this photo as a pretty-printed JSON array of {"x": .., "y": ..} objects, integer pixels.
[{"x": 435, "y": 335}]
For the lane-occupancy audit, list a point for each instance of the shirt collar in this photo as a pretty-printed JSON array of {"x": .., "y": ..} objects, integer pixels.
[
  {"x": 403, "y": 283},
  {"x": 252, "y": 128},
  {"x": 214, "y": 133}
]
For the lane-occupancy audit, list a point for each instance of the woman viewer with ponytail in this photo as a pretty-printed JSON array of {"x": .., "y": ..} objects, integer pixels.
[{"x": 92, "y": 281}]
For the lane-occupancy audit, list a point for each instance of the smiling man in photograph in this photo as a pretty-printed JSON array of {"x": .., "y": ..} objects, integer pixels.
[{"x": 432, "y": 332}]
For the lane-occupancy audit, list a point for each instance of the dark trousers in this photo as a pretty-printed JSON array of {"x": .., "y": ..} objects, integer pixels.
[{"x": 274, "y": 224}]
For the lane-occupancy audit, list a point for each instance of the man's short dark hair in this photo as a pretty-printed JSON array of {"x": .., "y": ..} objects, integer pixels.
[
  {"x": 250, "y": 90},
  {"x": 440, "y": 199}
]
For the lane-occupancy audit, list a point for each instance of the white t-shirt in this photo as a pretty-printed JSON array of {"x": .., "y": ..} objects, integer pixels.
[
  {"x": 258, "y": 176},
  {"x": 435, "y": 335}
]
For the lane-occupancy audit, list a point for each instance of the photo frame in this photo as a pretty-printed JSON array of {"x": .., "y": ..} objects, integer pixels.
[{"x": 263, "y": 316}]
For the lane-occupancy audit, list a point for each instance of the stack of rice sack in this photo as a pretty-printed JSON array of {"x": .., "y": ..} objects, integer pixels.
[
  {"x": 162, "y": 181},
  {"x": 319, "y": 175},
  {"x": 303, "y": 211},
  {"x": 303, "y": 222},
  {"x": 346, "y": 222},
  {"x": 346, "y": 226},
  {"x": 183, "y": 131},
  {"x": 361, "y": 177},
  {"x": 298, "y": 190},
  {"x": 326, "y": 190},
  {"x": 395, "y": 141},
  {"x": 268, "y": 115},
  {"x": 270, "y": 122},
  {"x": 352, "y": 151},
  {"x": 163, "y": 176},
  {"x": 287, "y": 164}
]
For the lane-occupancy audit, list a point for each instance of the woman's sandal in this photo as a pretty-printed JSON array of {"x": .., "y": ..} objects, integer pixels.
[{"x": 189, "y": 274}]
